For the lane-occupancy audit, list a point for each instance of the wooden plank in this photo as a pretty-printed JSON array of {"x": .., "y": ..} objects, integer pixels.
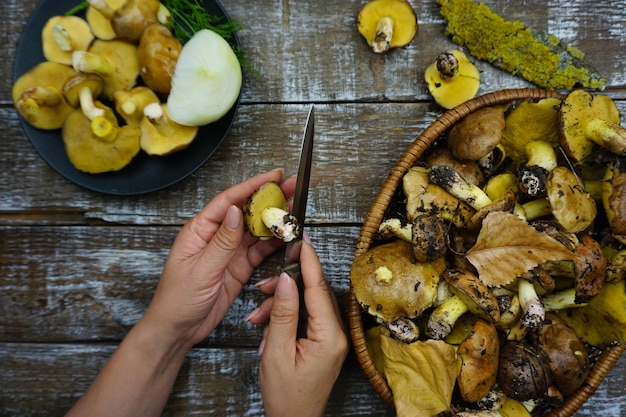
[
  {"x": 345, "y": 69},
  {"x": 92, "y": 283},
  {"x": 46, "y": 379},
  {"x": 356, "y": 147}
]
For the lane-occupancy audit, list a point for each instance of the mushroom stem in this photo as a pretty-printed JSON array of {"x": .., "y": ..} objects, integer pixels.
[
  {"x": 164, "y": 16},
  {"x": 541, "y": 159},
  {"x": 61, "y": 37},
  {"x": 611, "y": 136},
  {"x": 442, "y": 319},
  {"x": 84, "y": 61},
  {"x": 102, "y": 7},
  {"x": 535, "y": 209},
  {"x": 455, "y": 184},
  {"x": 282, "y": 224},
  {"x": 384, "y": 33},
  {"x": 395, "y": 228},
  {"x": 447, "y": 65},
  {"x": 103, "y": 129},
  {"x": 533, "y": 313},
  {"x": 34, "y": 98},
  {"x": 154, "y": 113},
  {"x": 561, "y": 300},
  {"x": 87, "y": 105}
]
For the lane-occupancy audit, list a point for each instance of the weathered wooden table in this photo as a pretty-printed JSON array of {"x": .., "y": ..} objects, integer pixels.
[{"x": 78, "y": 268}]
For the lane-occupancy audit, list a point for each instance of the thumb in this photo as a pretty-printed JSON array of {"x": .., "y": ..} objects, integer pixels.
[
  {"x": 283, "y": 324},
  {"x": 227, "y": 238}
]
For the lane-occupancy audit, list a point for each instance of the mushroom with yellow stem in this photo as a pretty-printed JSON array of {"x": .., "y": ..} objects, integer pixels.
[
  {"x": 115, "y": 61},
  {"x": 129, "y": 104},
  {"x": 452, "y": 79},
  {"x": 99, "y": 14},
  {"x": 160, "y": 135},
  {"x": 62, "y": 35},
  {"x": 387, "y": 24},
  {"x": 266, "y": 216},
  {"x": 540, "y": 160},
  {"x": 577, "y": 137},
  {"x": 95, "y": 147},
  {"x": 37, "y": 95}
]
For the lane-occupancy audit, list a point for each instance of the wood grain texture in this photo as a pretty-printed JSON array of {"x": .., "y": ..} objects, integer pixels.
[{"x": 78, "y": 268}]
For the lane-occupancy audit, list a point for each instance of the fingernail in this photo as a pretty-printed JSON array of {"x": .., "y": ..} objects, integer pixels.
[
  {"x": 261, "y": 347},
  {"x": 252, "y": 314},
  {"x": 281, "y": 170},
  {"x": 285, "y": 287},
  {"x": 233, "y": 217},
  {"x": 263, "y": 282},
  {"x": 306, "y": 237}
]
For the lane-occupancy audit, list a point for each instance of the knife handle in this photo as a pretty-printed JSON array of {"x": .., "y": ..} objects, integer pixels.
[{"x": 293, "y": 270}]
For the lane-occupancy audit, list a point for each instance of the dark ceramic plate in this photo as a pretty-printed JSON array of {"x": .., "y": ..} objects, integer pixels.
[{"x": 145, "y": 173}]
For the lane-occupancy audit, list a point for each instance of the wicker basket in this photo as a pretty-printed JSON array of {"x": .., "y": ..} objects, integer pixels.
[{"x": 602, "y": 361}]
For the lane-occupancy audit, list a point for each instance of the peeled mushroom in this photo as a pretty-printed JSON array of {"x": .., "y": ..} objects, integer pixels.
[
  {"x": 110, "y": 150},
  {"x": 38, "y": 98},
  {"x": 131, "y": 103},
  {"x": 115, "y": 61},
  {"x": 265, "y": 214},
  {"x": 62, "y": 35},
  {"x": 452, "y": 79},
  {"x": 99, "y": 14},
  {"x": 387, "y": 24},
  {"x": 162, "y": 136}
]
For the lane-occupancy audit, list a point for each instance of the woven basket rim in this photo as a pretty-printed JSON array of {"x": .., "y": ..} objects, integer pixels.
[{"x": 606, "y": 359}]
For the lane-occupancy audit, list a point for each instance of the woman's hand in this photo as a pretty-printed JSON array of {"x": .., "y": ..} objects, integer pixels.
[
  {"x": 297, "y": 375},
  {"x": 210, "y": 261}
]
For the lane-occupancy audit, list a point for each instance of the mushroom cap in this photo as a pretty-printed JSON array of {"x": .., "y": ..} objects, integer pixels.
[
  {"x": 174, "y": 138},
  {"x": 158, "y": 53},
  {"x": 100, "y": 24},
  {"x": 49, "y": 75},
  {"x": 572, "y": 207},
  {"x": 76, "y": 32},
  {"x": 123, "y": 56},
  {"x": 477, "y": 134},
  {"x": 475, "y": 294},
  {"x": 522, "y": 371},
  {"x": 74, "y": 85},
  {"x": 129, "y": 104},
  {"x": 400, "y": 11},
  {"x": 468, "y": 169},
  {"x": 577, "y": 109},
  {"x": 479, "y": 361},
  {"x": 410, "y": 288},
  {"x": 452, "y": 91},
  {"x": 90, "y": 154},
  {"x": 130, "y": 20},
  {"x": 268, "y": 195}
]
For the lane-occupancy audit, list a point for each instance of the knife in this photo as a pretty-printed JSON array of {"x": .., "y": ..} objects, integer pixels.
[{"x": 291, "y": 263}]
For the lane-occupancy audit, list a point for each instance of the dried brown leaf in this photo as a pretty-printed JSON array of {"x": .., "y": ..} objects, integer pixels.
[
  {"x": 421, "y": 375},
  {"x": 507, "y": 247}
]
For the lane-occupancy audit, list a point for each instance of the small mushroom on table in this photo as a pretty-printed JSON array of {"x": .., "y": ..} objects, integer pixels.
[
  {"x": 452, "y": 79},
  {"x": 387, "y": 24},
  {"x": 38, "y": 97}
]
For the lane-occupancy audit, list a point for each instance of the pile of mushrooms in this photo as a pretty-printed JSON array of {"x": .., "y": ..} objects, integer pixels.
[
  {"x": 121, "y": 60},
  {"x": 440, "y": 272}
]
